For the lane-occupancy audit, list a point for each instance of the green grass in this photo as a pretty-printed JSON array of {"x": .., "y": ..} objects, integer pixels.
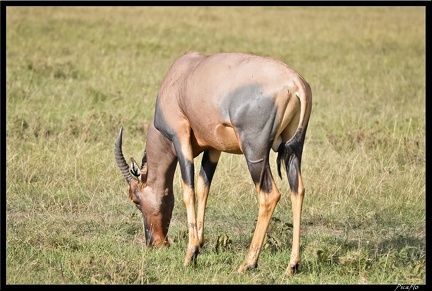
[{"x": 75, "y": 74}]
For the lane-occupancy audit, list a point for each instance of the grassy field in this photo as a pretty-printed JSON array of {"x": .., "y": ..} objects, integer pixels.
[{"x": 75, "y": 74}]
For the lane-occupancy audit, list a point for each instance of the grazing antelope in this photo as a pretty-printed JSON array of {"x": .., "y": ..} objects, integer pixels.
[{"x": 228, "y": 102}]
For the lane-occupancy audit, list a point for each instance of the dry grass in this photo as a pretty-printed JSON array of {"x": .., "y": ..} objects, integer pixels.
[{"x": 74, "y": 75}]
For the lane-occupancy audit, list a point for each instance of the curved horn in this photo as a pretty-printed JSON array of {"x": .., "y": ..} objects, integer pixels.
[{"x": 121, "y": 162}]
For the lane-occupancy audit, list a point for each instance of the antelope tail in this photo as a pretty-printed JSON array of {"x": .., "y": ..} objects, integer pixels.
[{"x": 290, "y": 152}]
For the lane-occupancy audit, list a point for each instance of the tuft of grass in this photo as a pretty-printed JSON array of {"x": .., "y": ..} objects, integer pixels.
[{"x": 74, "y": 75}]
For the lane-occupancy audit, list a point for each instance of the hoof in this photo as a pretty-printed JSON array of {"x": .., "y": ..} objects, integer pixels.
[
  {"x": 292, "y": 269},
  {"x": 190, "y": 262},
  {"x": 191, "y": 257},
  {"x": 186, "y": 262},
  {"x": 246, "y": 267}
]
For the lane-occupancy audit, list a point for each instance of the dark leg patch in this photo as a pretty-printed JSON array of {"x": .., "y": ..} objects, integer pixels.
[
  {"x": 261, "y": 174},
  {"x": 207, "y": 168}
]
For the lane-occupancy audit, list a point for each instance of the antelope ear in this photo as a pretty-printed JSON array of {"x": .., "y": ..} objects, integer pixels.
[
  {"x": 134, "y": 169},
  {"x": 144, "y": 174},
  {"x": 144, "y": 168}
]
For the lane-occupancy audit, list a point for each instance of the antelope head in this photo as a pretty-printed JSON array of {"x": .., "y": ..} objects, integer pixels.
[
  {"x": 135, "y": 176},
  {"x": 155, "y": 217}
]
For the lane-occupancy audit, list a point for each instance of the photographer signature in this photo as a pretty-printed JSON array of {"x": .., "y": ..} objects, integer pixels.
[{"x": 406, "y": 287}]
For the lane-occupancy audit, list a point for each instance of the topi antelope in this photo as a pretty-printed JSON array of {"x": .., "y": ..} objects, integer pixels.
[{"x": 228, "y": 102}]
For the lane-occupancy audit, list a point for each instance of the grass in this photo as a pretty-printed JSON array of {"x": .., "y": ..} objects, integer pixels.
[{"x": 75, "y": 74}]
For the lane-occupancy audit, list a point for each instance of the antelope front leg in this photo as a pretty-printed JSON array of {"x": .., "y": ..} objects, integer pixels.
[
  {"x": 186, "y": 163},
  {"x": 192, "y": 250},
  {"x": 187, "y": 170},
  {"x": 208, "y": 166}
]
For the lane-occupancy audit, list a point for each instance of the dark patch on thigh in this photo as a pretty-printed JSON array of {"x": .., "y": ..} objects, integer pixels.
[
  {"x": 253, "y": 113},
  {"x": 254, "y": 116},
  {"x": 249, "y": 107}
]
